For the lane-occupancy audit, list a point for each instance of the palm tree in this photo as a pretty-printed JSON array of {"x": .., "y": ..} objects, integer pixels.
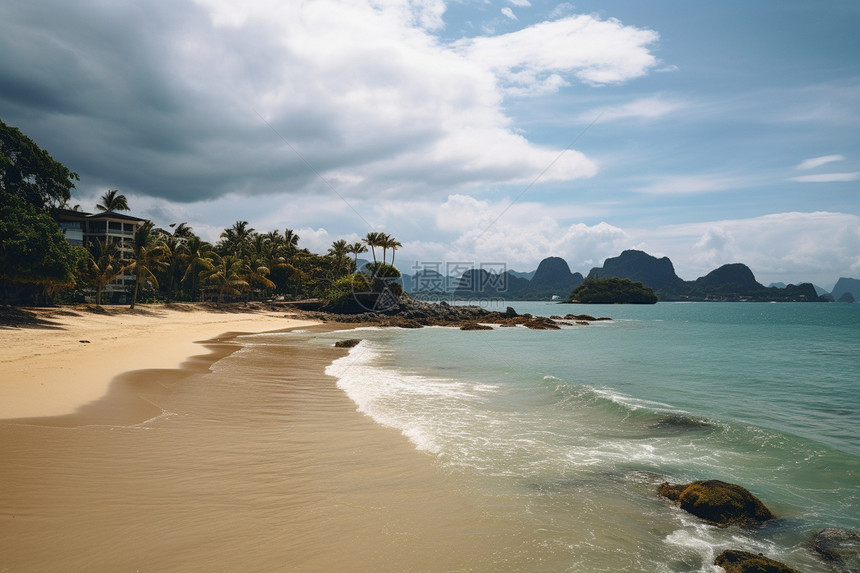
[
  {"x": 226, "y": 275},
  {"x": 104, "y": 265},
  {"x": 356, "y": 249},
  {"x": 291, "y": 242},
  {"x": 172, "y": 244},
  {"x": 234, "y": 241},
  {"x": 147, "y": 258},
  {"x": 373, "y": 239},
  {"x": 338, "y": 251},
  {"x": 197, "y": 255},
  {"x": 393, "y": 244},
  {"x": 254, "y": 271},
  {"x": 113, "y": 200}
]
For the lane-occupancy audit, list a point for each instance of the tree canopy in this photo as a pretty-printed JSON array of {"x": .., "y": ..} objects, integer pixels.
[
  {"x": 613, "y": 290},
  {"x": 30, "y": 173}
]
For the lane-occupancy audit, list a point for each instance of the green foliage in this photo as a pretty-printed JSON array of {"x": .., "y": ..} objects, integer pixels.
[
  {"x": 29, "y": 173},
  {"x": 346, "y": 293},
  {"x": 35, "y": 258},
  {"x": 613, "y": 290},
  {"x": 113, "y": 200},
  {"x": 148, "y": 258}
]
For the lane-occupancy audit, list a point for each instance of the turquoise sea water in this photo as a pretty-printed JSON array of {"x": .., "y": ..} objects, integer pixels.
[{"x": 573, "y": 430}]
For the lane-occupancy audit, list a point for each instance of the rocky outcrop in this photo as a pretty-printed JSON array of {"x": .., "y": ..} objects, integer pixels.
[
  {"x": 846, "y": 285},
  {"x": 659, "y": 274},
  {"x": 719, "y": 502},
  {"x": 348, "y": 343},
  {"x": 735, "y": 277},
  {"x": 840, "y": 548},
  {"x": 734, "y": 561},
  {"x": 552, "y": 277},
  {"x": 407, "y": 312},
  {"x": 613, "y": 290}
]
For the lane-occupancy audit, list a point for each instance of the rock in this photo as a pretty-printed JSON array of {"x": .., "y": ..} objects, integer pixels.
[
  {"x": 540, "y": 323},
  {"x": 841, "y": 547},
  {"x": 718, "y": 502},
  {"x": 579, "y": 317},
  {"x": 734, "y": 561},
  {"x": 510, "y": 312},
  {"x": 476, "y": 326},
  {"x": 348, "y": 343}
]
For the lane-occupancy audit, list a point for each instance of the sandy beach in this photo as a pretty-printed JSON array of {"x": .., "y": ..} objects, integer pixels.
[
  {"x": 70, "y": 357},
  {"x": 244, "y": 461}
]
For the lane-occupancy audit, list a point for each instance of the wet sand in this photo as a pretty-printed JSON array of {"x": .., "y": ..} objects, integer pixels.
[{"x": 255, "y": 461}]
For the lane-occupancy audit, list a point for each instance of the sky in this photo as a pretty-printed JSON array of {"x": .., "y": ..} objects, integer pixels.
[{"x": 473, "y": 132}]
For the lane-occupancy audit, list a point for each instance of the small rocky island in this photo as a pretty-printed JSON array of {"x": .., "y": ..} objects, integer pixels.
[{"x": 612, "y": 290}]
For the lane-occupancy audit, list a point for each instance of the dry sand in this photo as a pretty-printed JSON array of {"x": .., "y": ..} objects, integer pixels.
[{"x": 69, "y": 357}]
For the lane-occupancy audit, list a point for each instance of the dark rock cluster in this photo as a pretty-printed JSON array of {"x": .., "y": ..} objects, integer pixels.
[{"x": 411, "y": 313}]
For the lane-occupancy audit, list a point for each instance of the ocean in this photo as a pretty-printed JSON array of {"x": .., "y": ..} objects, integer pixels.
[{"x": 569, "y": 433}]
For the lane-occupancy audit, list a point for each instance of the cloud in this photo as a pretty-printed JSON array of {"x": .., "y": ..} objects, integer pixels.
[
  {"x": 507, "y": 12},
  {"x": 594, "y": 51},
  {"x": 645, "y": 108},
  {"x": 522, "y": 237},
  {"x": 788, "y": 247},
  {"x": 198, "y": 100},
  {"x": 688, "y": 185},
  {"x": 827, "y": 177},
  {"x": 521, "y": 3},
  {"x": 814, "y": 162}
]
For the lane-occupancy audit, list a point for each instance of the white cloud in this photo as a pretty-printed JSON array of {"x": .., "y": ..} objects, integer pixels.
[
  {"x": 508, "y": 13},
  {"x": 595, "y": 51},
  {"x": 521, "y": 3},
  {"x": 688, "y": 185},
  {"x": 814, "y": 162},
  {"x": 645, "y": 108},
  {"x": 827, "y": 177},
  {"x": 781, "y": 247},
  {"x": 522, "y": 236}
]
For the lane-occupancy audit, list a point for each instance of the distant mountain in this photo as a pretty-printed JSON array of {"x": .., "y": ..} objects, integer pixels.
[
  {"x": 479, "y": 283},
  {"x": 659, "y": 274},
  {"x": 846, "y": 285},
  {"x": 552, "y": 278},
  {"x": 729, "y": 282},
  {"x": 426, "y": 281},
  {"x": 735, "y": 278},
  {"x": 528, "y": 276},
  {"x": 819, "y": 290}
]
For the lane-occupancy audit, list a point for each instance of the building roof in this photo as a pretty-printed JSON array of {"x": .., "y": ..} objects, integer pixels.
[{"x": 69, "y": 215}]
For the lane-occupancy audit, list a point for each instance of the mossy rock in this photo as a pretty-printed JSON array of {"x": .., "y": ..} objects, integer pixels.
[
  {"x": 718, "y": 502},
  {"x": 348, "y": 343},
  {"x": 734, "y": 561},
  {"x": 476, "y": 326}
]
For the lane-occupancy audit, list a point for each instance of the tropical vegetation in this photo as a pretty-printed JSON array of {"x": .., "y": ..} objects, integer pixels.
[
  {"x": 613, "y": 290},
  {"x": 174, "y": 264}
]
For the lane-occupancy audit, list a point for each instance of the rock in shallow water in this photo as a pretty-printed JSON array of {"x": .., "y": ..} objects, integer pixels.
[
  {"x": 719, "y": 502},
  {"x": 734, "y": 561},
  {"x": 841, "y": 547}
]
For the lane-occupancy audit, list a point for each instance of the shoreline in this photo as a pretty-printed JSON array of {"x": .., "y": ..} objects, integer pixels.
[
  {"x": 65, "y": 361},
  {"x": 260, "y": 464}
]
